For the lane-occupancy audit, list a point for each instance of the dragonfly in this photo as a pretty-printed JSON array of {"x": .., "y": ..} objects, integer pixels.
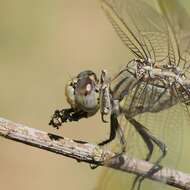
[{"x": 149, "y": 88}]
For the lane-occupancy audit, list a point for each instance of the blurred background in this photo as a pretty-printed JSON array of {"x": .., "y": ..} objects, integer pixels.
[{"x": 42, "y": 45}]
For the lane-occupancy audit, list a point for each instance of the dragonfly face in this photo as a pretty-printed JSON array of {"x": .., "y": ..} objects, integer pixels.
[{"x": 82, "y": 92}]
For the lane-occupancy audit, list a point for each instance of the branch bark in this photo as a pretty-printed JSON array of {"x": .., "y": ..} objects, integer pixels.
[{"x": 89, "y": 153}]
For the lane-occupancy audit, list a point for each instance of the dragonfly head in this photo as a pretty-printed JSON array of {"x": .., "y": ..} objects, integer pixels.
[{"x": 82, "y": 92}]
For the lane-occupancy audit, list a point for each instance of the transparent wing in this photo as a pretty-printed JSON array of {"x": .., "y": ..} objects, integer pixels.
[
  {"x": 141, "y": 28},
  {"x": 179, "y": 20},
  {"x": 142, "y": 99},
  {"x": 168, "y": 127}
]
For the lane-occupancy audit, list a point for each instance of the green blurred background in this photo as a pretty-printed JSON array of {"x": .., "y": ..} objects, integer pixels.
[{"x": 42, "y": 45}]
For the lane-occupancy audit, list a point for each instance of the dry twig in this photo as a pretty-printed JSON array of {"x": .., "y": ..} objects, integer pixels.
[{"x": 90, "y": 153}]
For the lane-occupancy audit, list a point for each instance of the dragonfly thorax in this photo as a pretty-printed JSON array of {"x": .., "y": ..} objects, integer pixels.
[{"x": 149, "y": 87}]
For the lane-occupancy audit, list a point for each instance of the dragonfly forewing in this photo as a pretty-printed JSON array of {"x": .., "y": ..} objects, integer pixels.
[{"x": 146, "y": 41}]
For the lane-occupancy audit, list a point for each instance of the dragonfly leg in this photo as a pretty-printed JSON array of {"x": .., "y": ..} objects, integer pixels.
[
  {"x": 62, "y": 116},
  {"x": 147, "y": 175},
  {"x": 156, "y": 166},
  {"x": 149, "y": 140},
  {"x": 143, "y": 133},
  {"x": 114, "y": 128},
  {"x": 105, "y": 98}
]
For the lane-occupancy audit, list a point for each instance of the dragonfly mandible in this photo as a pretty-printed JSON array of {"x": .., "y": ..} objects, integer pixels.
[{"x": 154, "y": 81}]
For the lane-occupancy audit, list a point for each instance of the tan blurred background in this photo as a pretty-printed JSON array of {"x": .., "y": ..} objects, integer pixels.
[{"x": 42, "y": 45}]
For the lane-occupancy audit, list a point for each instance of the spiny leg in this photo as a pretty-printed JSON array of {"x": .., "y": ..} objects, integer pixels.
[
  {"x": 148, "y": 139},
  {"x": 114, "y": 128},
  {"x": 156, "y": 166},
  {"x": 143, "y": 133}
]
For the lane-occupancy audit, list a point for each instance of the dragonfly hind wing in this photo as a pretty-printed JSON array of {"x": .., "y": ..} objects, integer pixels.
[
  {"x": 140, "y": 27},
  {"x": 168, "y": 127}
]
